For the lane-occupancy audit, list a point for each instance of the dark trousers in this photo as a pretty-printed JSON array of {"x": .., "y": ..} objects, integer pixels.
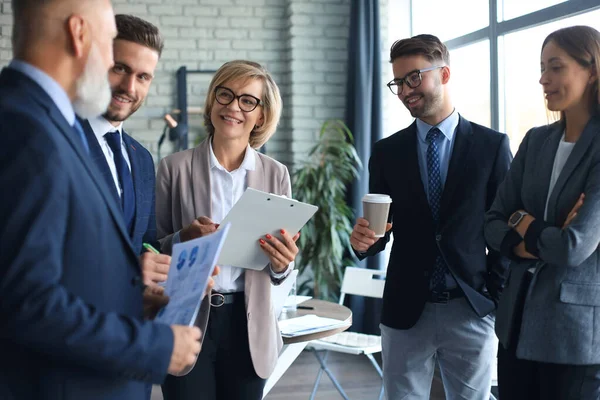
[
  {"x": 520, "y": 379},
  {"x": 224, "y": 369},
  {"x": 531, "y": 380}
]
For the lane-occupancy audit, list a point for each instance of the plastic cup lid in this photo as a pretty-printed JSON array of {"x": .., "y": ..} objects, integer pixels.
[{"x": 377, "y": 198}]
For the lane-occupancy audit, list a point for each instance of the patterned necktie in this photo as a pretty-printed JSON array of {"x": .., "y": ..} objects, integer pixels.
[
  {"x": 434, "y": 181},
  {"x": 79, "y": 130},
  {"x": 125, "y": 180}
]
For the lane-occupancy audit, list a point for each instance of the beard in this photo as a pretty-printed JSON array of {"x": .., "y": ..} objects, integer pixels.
[
  {"x": 432, "y": 102},
  {"x": 116, "y": 115},
  {"x": 93, "y": 89}
]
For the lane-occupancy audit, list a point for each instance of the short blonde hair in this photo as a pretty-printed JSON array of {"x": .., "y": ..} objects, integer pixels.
[{"x": 271, "y": 98}]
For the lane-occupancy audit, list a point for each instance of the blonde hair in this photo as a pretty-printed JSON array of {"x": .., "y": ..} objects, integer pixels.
[{"x": 271, "y": 98}]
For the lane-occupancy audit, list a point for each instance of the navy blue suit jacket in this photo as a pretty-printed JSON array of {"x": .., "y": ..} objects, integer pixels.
[
  {"x": 479, "y": 162},
  {"x": 144, "y": 179},
  {"x": 71, "y": 304}
]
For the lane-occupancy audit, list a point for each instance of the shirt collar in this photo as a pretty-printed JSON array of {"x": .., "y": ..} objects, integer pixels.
[
  {"x": 249, "y": 162},
  {"x": 50, "y": 86},
  {"x": 101, "y": 127},
  {"x": 447, "y": 126}
]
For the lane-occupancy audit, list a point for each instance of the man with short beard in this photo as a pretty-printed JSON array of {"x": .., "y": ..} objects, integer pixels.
[
  {"x": 125, "y": 164},
  {"x": 442, "y": 287},
  {"x": 71, "y": 313}
]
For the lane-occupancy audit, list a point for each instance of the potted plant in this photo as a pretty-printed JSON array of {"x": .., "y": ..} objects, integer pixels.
[{"x": 323, "y": 180}]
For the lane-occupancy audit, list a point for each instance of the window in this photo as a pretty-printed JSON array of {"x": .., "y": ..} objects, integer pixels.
[
  {"x": 470, "y": 81},
  {"x": 449, "y": 19},
  {"x": 521, "y": 96},
  {"x": 395, "y": 115},
  {"x": 509, "y": 9}
]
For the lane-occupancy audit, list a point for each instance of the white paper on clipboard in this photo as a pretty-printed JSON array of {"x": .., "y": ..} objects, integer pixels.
[{"x": 254, "y": 215}]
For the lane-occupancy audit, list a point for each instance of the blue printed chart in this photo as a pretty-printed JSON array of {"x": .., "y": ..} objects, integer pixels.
[{"x": 192, "y": 264}]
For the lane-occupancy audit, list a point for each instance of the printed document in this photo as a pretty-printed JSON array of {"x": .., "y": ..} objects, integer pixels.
[{"x": 192, "y": 264}]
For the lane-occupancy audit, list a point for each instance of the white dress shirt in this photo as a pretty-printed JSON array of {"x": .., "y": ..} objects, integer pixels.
[
  {"x": 226, "y": 188},
  {"x": 101, "y": 127},
  {"x": 562, "y": 154}
]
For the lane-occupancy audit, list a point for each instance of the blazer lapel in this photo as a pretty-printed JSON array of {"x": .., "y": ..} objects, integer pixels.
[
  {"x": 463, "y": 142},
  {"x": 72, "y": 138},
  {"x": 581, "y": 147},
  {"x": 99, "y": 158},
  {"x": 201, "y": 180},
  {"x": 256, "y": 179},
  {"x": 136, "y": 175},
  {"x": 544, "y": 170},
  {"x": 69, "y": 133},
  {"x": 411, "y": 165}
]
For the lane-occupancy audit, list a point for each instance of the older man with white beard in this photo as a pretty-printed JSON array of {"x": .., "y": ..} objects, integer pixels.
[{"x": 71, "y": 313}]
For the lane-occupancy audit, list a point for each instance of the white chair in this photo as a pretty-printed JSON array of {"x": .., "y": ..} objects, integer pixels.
[{"x": 359, "y": 282}]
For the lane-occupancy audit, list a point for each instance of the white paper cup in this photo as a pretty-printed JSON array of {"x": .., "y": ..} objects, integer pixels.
[{"x": 376, "y": 208}]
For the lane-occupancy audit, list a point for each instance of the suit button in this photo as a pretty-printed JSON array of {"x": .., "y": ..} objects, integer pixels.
[
  {"x": 426, "y": 274},
  {"x": 438, "y": 238},
  {"x": 135, "y": 281}
]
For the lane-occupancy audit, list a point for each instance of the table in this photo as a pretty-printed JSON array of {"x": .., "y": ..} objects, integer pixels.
[{"x": 292, "y": 347}]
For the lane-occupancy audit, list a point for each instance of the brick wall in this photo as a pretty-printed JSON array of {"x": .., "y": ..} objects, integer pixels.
[{"x": 302, "y": 42}]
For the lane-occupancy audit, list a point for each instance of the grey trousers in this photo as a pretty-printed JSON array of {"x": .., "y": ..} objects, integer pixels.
[{"x": 463, "y": 345}]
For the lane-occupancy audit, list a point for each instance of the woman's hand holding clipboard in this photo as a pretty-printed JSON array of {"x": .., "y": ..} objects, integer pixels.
[
  {"x": 280, "y": 252},
  {"x": 255, "y": 215}
]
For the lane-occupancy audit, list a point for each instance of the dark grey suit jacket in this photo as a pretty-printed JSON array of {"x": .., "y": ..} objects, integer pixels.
[{"x": 561, "y": 315}]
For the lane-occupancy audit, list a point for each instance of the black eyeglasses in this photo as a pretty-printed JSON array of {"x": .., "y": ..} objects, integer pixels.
[
  {"x": 247, "y": 102},
  {"x": 412, "y": 80}
]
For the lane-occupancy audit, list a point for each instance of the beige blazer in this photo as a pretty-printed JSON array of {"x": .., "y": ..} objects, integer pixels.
[{"x": 182, "y": 195}]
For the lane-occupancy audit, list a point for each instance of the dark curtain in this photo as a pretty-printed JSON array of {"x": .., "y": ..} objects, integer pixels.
[{"x": 364, "y": 118}]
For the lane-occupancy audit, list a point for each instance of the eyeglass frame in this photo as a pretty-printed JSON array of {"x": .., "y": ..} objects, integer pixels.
[
  {"x": 236, "y": 97},
  {"x": 399, "y": 83}
]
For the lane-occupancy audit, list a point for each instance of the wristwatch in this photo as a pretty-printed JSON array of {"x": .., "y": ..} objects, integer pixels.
[{"x": 516, "y": 217}]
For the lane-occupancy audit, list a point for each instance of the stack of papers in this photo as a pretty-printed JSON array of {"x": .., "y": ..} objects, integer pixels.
[
  {"x": 354, "y": 339},
  {"x": 308, "y": 324}
]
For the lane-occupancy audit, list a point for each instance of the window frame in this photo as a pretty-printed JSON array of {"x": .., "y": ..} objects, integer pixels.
[{"x": 497, "y": 29}]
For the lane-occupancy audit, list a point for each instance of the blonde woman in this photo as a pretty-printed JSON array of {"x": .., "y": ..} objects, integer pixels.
[{"x": 195, "y": 190}]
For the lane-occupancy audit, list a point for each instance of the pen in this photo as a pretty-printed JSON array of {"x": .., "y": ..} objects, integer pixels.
[
  {"x": 150, "y": 248},
  {"x": 305, "y": 308}
]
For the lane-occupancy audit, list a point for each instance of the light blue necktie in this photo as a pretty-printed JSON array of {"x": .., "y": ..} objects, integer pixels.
[{"x": 434, "y": 184}]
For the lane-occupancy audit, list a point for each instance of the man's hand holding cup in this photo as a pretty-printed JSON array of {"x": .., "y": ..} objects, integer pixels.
[{"x": 374, "y": 225}]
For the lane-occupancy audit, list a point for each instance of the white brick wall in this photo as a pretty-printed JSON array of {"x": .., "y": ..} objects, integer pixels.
[
  {"x": 318, "y": 68},
  {"x": 302, "y": 42}
]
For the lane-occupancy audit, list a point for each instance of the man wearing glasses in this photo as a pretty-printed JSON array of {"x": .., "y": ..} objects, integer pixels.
[{"x": 442, "y": 286}]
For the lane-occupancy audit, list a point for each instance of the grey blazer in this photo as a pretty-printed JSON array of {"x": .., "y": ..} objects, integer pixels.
[
  {"x": 182, "y": 195},
  {"x": 561, "y": 315}
]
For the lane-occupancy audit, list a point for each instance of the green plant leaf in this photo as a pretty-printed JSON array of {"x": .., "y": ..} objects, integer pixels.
[{"x": 322, "y": 180}]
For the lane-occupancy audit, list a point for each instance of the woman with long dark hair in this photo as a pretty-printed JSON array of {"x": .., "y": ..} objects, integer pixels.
[{"x": 546, "y": 217}]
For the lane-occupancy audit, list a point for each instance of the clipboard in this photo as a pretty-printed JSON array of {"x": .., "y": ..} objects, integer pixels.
[{"x": 254, "y": 215}]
